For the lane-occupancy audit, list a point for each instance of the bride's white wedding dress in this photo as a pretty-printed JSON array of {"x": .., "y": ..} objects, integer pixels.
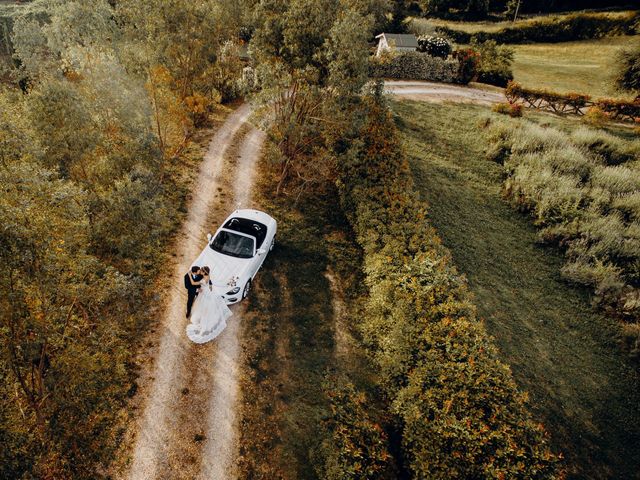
[{"x": 208, "y": 316}]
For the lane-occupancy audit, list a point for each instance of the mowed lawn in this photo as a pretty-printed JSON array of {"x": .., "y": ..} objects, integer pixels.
[
  {"x": 582, "y": 387},
  {"x": 585, "y": 67}
]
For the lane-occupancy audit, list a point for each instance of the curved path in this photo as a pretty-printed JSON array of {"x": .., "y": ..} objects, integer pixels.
[
  {"x": 440, "y": 92},
  {"x": 187, "y": 428}
]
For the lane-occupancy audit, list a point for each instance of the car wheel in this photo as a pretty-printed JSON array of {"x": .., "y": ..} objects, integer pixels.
[
  {"x": 273, "y": 244},
  {"x": 247, "y": 289}
]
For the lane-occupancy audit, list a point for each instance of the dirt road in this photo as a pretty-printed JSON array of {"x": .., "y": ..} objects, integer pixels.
[
  {"x": 188, "y": 425},
  {"x": 440, "y": 92},
  {"x": 220, "y": 449}
]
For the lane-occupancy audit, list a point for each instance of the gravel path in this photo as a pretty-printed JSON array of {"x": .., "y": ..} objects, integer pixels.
[
  {"x": 162, "y": 384},
  {"x": 440, "y": 92}
]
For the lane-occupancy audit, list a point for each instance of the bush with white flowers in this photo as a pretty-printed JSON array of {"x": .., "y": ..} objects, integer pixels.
[{"x": 434, "y": 46}]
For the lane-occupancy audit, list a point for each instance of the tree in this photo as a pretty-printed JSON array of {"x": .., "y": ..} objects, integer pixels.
[
  {"x": 495, "y": 62},
  {"x": 56, "y": 338},
  {"x": 380, "y": 11},
  {"x": 346, "y": 52},
  {"x": 628, "y": 77},
  {"x": 513, "y": 7},
  {"x": 470, "y": 8}
]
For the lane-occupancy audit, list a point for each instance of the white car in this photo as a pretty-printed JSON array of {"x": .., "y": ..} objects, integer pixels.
[{"x": 237, "y": 251}]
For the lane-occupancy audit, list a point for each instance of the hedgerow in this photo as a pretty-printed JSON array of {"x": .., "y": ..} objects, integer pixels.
[
  {"x": 355, "y": 446},
  {"x": 460, "y": 411},
  {"x": 573, "y": 103},
  {"x": 567, "y": 28},
  {"x": 582, "y": 189},
  {"x": 414, "y": 66}
]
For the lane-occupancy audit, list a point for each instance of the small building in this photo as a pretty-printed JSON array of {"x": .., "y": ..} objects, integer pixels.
[{"x": 396, "y": 42}]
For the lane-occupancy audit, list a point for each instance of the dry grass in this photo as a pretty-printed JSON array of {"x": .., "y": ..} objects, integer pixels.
[
  {"x": 426, "y": 26},
  {"x": 560, "y": 350},
  {"x": 585, "y": 67}
]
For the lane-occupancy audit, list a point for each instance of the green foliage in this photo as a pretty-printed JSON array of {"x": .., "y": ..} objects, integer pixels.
[
  {"x": 512, "y": 9},
  {"x": 309, "y": 84},
  {"x": 460, "y": 410},
  {"x": 580, "y": 189},
  {"x": 566, "y": 28},
  {"x": 186, "y": 38},
  {"x": 379, "y": 11},
  {"x": 356, "y": 446},
  {"x": 89, "y": 149},
  {"x": 466, "y": 8},
  {"x": 468, "y": 61},
  {"x": 59, "y": 327},
  {"x": 524, "y": 302},
  {"x": 414, "y": 66},
  {"x": 495, "y": 62},
  {"x": 628, "y": 77},
  {"x": 293, "y": 32},
  {"x": 348, "y": 67}
]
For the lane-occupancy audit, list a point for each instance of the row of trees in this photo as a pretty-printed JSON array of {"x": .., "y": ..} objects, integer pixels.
[
  {"x": 474, "y": 9},
  {"x": 95, "y": 115}
]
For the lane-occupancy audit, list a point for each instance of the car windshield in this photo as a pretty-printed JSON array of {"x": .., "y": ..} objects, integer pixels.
[
  {"x": 233, "y": 244},
  {"x": 248, "y": 227}
]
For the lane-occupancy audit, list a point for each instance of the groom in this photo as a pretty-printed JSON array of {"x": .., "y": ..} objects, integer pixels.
[{"x": 192, "y": 290}]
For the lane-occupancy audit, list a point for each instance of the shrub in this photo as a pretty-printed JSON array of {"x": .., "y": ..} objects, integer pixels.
[
  {"x": 631, "y": 338},
  {"x": 628, "y": 77},
  {"x": 506, "y": 108},
  {"x": 495, "y": 63},
  {"x": 468, "y": 60},
  {"x": 628, "y": 204},
  {"x": 617, "y": 179},
  {"x": 567, "y": 28},
  {"x": 434, "y": 46},
  {"x": 502, "y": 107},
  {"x": 414, "y": 66},
  {"x": 611, "y": 149},
  {"x": 460, "y": 412},
  {"x": 584, "y": 189},
  {"x": 356, "y": 446},
  {"x": 575, "y": 103}
]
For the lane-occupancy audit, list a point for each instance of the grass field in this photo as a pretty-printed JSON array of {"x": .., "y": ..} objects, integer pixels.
[
  {"x": 585, "y": 67},
  {"x": 289, "y": 333},
  {"x": 288, "y": 347},
  {"x": 561, "y": 351},
  {"x": 426, "y": 26}
]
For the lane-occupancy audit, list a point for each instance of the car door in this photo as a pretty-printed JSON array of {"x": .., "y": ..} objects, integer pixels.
[
  {"x": 256, "y": 260},
  {"x": 260, "y": 257}
]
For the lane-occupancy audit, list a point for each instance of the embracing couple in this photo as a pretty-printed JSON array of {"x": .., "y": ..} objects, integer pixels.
[{"x": 206, "y": 309}]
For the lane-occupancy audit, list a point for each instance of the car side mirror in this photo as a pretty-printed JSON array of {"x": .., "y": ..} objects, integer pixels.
[
  {"x": 208, "y": 238},
  {"x": 261, "y": 251}
]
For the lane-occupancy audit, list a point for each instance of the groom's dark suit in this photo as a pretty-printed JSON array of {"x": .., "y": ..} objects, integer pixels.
[{"x": 192, "y": 290}]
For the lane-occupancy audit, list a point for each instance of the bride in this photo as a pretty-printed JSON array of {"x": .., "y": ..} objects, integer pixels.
[{"x": 210, "y": 312}]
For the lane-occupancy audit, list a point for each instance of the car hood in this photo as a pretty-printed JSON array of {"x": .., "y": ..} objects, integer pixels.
[{"x": 223, "y": 267}]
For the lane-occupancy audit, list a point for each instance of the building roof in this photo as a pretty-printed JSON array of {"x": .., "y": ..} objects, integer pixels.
[{"x": 400, "y": 39}]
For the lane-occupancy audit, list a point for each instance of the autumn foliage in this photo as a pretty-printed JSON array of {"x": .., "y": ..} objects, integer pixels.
[{"x": 460, "y": 412}]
